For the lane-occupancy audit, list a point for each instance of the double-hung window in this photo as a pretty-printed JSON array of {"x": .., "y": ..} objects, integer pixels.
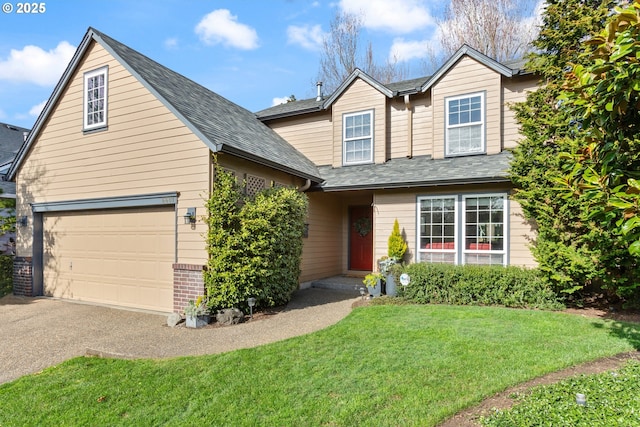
[
  {"x": 357, "y": 138},
  {"x": 95, "y": 99},
  {"x": 465, "y": 124},
  {"x": 463, "y": 229}
]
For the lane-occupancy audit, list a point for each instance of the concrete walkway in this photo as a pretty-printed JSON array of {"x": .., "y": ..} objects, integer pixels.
[{"x": 39, "y": 332}]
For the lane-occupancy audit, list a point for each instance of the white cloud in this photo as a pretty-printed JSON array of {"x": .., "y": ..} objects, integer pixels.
[
  {"x": 278, "y": 101},
  {"x": 33, "y": 64},
  {"x": 171, "y": 43},
  {"x": 398, "y": 16},
  {"x": 306, "y": 36},
  {"x": 220, "y": 27},
  {"x": 37, "y": 109},
  {"x": 403, "y": 51}
]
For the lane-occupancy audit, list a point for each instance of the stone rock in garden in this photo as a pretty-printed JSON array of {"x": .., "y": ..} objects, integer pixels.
[
  {"x": 230, "y": 316},
  {"x": 174, "y": 319}
]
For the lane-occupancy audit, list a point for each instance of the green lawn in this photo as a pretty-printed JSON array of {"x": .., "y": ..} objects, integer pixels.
[{"x": 382, "y": 365}]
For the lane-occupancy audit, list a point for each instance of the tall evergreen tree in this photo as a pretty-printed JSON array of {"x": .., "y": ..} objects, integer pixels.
[{"x": 568, "y": 248}]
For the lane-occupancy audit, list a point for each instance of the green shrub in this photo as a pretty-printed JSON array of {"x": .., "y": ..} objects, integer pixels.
[
  {"x": 254, "y": 244},
  {"x": 6, "y": 275},
  {"x": 479, "y": 285}
]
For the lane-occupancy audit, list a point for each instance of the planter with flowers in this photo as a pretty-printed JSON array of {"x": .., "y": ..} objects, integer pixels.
[
  {"x": 396, "y": 248},
  {"x": 373, "y": 281},
  {"x": 197, "y": 313}
]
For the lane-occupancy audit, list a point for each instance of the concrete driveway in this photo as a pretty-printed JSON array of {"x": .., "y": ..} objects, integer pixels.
[{"x": 36, "y": 333}]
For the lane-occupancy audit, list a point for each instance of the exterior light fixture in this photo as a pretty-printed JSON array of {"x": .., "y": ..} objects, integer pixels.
[
  {"x": 252, "y": 302},
  {"x": 362, "y": 292},
  {"x": 22, "y": 221},
  {"x": 190, "y": 216}
]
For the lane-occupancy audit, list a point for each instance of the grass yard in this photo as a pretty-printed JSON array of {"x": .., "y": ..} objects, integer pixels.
[{"x": 381, "y": 366}]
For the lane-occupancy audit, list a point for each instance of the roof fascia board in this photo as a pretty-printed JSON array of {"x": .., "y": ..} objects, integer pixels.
[
  {"x": 259, "y": 160},
  {"x": 472, "y": 53},
  {"x": 53, "y": 99},
  {"x": 212, "y": 146},
  {"x": 62, "y": 83},
  {"x": 290, "y": 113},
  {"x": 141, "y": 200},
  {"x": 383, "y": 186},
  {"x": 357, "y": 73}
]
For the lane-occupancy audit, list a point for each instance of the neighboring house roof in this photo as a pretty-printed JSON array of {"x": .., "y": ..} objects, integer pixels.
[
  {"x": 222, "y": 125},
  {"x": 406, "y": 87},
  {"x": 420, "y": 171},
  {"x": 11, "y": 139}
]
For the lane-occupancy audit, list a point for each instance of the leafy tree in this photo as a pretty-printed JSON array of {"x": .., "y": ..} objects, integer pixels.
[
  {"x": 254, "y": 244},
  {"x": 604, "y": 155},
  {"x": 570, "y": 250}
]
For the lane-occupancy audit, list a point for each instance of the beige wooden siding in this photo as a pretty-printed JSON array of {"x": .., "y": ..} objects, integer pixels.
[
  {"x": 118, "y": 256},
  {"x": 242, "y": 169},
  {"x": 358, "y": 97},
  {"x": 522, "y": 234},
  {"x": 398, "y": 131},
  {"x": 145, "y": 149},
  {"x": 310, "y": 134},
  {"x": 322, "y": 254},
  {"x": 403, "y": 205},
  {"x": 515, "y": 90},
  {"x": 466, "y": 77},
  {"x": 422, "y": 124},
  {"x": 389, "y": 206}
]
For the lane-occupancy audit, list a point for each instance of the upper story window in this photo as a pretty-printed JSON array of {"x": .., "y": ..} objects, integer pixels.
[
  {"x": 465, "y": 124},
  {"x": 357, "y": 138},
  {"x": 95, "y": 99}
]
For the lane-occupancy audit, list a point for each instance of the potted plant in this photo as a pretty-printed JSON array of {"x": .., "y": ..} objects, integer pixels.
[
  {"x": 373, "y": 283},
  {"x": 197, "y": 313},
  {"x": 396, "y": 248}
]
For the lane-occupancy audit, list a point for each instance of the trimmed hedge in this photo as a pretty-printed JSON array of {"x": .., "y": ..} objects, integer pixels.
[
  {"x": 479, "y": 285},
  {"x": 6, "y": 275}
]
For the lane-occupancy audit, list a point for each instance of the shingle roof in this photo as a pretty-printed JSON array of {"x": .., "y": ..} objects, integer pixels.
[
  {"x": 221, "y": 124},
  {"x": 411, "y": 86},
  {"x": 418, "y": 172},
  {"x": 226, "y": 125},
  {"x": 11, "y": 139}
]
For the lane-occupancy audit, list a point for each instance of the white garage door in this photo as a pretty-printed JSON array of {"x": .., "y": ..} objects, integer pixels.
[{"x": 115, "y": 256}]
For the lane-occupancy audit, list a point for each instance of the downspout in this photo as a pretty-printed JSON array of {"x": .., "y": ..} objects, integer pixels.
[
  {"x": 407, "y": 103},
  {"x": 305, "y": 187}
]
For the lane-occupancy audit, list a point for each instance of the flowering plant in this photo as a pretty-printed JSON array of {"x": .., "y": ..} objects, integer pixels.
[{"x": 197, "y": 308}]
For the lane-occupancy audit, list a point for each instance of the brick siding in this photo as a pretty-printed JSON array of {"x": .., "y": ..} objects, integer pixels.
[
  {"x": 188, "y": 284},
  {"x": 23, "y": 276}
]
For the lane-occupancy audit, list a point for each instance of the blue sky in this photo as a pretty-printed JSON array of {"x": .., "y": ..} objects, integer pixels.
[{"x": 254, "y": 53}]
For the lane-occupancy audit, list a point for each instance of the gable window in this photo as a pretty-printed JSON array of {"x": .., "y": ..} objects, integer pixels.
[
  {"x": 95, "y": 99},
  {"x": 480, "y": 220},
  {"x": 465, "y": 124},
  {"x": 358, "y": 137}
]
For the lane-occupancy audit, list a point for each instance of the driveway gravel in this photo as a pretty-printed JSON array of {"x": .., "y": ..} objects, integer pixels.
[{"x": 36, "y": 333}]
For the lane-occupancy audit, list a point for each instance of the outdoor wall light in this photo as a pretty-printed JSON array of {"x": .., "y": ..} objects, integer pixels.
[
  {"x": 190, "y": 216},
  {"x": 252, "y": 302},
  {"x": 22, "y": 221}
]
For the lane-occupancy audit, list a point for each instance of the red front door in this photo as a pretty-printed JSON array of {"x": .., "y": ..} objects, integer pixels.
[{"x": 360, "y": 238}]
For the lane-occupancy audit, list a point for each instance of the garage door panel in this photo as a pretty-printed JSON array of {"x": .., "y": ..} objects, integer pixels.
[{"x": 119, "y": 256}]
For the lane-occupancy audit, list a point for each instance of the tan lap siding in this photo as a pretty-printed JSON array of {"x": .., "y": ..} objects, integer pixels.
[
  {"x": 144, "y": 150},
  {"x": 466, "y": 77}
]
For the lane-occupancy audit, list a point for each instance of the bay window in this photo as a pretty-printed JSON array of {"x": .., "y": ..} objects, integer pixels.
[{"x": 463, "y": 229}]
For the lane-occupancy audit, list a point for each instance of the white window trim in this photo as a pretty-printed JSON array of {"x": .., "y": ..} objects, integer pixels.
[
  {"x": 102, "y": 70},
  {"x": 460, "y": 232},
  {"x": 483, "y": 113},
  {"x": 344, "y": 137},
  {"x": 505, "y": 226},
  {"x": 456, "y": 233}
]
